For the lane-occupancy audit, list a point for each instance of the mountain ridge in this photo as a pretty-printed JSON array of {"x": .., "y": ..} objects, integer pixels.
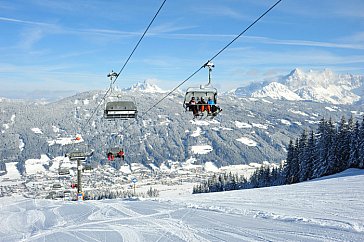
[
  {"x": 146, "y": 87},
  {"x": 318, "y": 86},
  {"x": 248, "y": 130}
]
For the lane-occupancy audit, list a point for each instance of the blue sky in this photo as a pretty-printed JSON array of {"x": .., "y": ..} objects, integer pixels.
[{"x": 63, "y": 47}]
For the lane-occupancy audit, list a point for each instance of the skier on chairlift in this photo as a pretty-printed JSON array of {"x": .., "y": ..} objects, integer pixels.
[
  {"x": 121, "y": 154},
  {"x": 201, "y": 105},
  {"x": 193, "y": 106},
  {"x": 110, "y": 156},
  {"x": 210, "y": 105}
]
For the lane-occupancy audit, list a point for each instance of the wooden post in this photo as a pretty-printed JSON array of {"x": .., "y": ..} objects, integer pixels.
[{"x": 79, "y": 170}]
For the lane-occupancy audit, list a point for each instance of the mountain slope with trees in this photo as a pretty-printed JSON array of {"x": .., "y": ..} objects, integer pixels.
[
  {"x": 248, "y": 130},
  {"x": 328, "y": 150}
]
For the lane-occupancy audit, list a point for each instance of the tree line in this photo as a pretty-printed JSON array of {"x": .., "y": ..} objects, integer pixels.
[{"x": 332, "y": 148}]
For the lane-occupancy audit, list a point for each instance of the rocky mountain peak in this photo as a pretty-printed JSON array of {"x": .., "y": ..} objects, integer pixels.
[
  {"x": 323, "y": 86},
  {"x": 146, "y": 86}
]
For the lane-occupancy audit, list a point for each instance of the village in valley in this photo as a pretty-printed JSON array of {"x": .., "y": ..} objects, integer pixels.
[{"x": 59, "y": 180}]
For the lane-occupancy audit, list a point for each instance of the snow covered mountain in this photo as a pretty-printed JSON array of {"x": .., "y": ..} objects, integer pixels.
[
  {"x": 145, "y": 87},
  {"x": 276, "y": 90},
  {"x": 248, "y": 130},
  {"x": 318, "y": 86}
]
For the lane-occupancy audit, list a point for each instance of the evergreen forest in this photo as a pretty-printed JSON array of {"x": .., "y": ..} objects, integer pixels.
[{"x": 332, "y": 148}]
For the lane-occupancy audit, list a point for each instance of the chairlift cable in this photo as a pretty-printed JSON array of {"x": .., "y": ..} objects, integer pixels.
[
  {"x": 194, "y": 73},
  {"x": 172, "y": 91},
  {"x": 136, "y": 46},
  {"x": 251, "y": 25},
  {"x": 204, "y": 65},
  {"x": 126, "y": 62},
  {"x": 97, "y": 107},
  {"x": 169, "y": 93},
  {"x": 218, "y": 53}
]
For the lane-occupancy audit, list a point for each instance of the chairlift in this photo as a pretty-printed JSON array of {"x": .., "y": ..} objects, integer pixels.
[
  {"x": 57, "y": 186},
  {"x": 78, "y": 155},
  {"x": 197, "y": 98},
  {"x": 87, "y": 168},
  {"x": 63, "y": 171},
  {"x": 115, "y": 152},
  {"x": 119, "y": 106},
  {"x": 120, "y": 109}
]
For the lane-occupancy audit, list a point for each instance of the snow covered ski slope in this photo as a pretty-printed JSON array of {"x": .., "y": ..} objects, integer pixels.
[{"x": 329, "y": 209}]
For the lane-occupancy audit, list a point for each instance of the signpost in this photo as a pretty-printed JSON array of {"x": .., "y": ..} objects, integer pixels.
[
  {"x": 80, "y": 196},
  {"x": 134, "y": 180}
]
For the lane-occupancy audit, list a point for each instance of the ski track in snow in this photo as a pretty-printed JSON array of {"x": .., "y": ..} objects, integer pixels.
[{"x": 320, "y": 210}]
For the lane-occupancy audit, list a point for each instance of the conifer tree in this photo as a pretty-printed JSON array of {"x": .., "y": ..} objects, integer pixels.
[
  {"x": 301, "y": 152},
  {"x": 361, "y": 145},
  {"x": 343, "y": 144},
  {"x": 354, "y": 146},
  {"x": 324, "y": 142},
  {"x": 295, "y": 164},
  {"x": 288, "y": 167},
  {"x": 310, "y": 155},
  {"x": 333, "y": 160}
]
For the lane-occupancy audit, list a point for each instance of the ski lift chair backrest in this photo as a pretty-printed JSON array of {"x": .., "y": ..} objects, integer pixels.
[
  {"x": 114, "y": 150},
  {"x": 196, "y": 92},
  {"x": 120, "y": 109},
  {"x": 77, "y": 155}
]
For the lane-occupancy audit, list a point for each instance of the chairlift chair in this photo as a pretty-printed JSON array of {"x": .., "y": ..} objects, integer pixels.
[
  {"x": 121, "y": 109},
  {"x": 87, "y": 167},
  {"x": 114, "y": 152},
  {"x": 63, "y": 171},
  {"x": 119, "y": 106},
  {"x": 200, "y": 92},
  {"x": 57, "y": 186},
  {"x": 77, "y": 155},
  {"x": 206, "y": 92}
]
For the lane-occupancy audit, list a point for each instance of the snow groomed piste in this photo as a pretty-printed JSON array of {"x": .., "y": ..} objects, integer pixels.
[{"x": 328, "y": 209}]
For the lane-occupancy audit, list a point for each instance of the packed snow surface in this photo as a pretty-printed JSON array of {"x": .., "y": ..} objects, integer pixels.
[
  {"x": 33, "y": 166},
  {"x": 260, "y": 126},
  {"x": 298, "y": 112},
  {"x": 210, "y": 166},
  {"x": 37, "y": 130},
  {"x": 331, "y": 109},
  {"x": 204, "y": 122},
  {"x": 242, "y": 125},
  {"x": 286, "y": 122},
  {"x": 247, "y": 141},
  {"x": 197, "y": 132},
  {"x": 201, "y": 149},
  {"x": 66, "y": 140},
  {"x": 12, "y": 172},
  {"x": 329, "y": 209}
]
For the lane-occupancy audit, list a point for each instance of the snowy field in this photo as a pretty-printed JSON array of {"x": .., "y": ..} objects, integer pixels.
[{"x": 329, "y": 209}]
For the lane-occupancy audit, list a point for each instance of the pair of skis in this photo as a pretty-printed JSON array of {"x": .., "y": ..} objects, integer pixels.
[{"x": 212, "y": 115}]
